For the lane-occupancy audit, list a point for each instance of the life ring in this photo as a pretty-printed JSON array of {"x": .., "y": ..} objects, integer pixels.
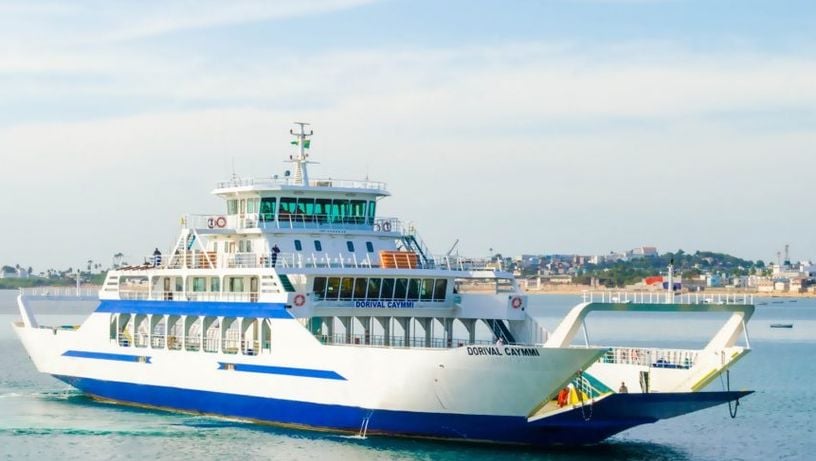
[
  {"x": 516, "y": 302},
  {"x": 210, "y": 222},
  {"x": 376, "y": 227},
  {"x": 386, "y": 226},
  {"x": 220, "y": 222},
  {"x": 300, "y": 300}
]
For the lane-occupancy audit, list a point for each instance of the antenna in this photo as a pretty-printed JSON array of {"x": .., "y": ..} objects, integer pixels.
[{"x": 303, "y": 143}]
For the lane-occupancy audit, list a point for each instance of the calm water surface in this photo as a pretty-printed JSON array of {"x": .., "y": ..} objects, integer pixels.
[{"x": 43, "y": 418}]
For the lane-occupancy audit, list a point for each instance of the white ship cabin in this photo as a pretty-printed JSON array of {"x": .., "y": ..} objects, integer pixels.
[{"x": 318, "y": 247}]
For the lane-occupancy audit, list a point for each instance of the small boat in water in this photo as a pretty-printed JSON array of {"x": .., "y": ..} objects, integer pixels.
[{"x": 781, "y": 325}]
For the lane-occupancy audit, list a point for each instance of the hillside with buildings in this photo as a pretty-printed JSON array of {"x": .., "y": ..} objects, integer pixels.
[{"x": 645, "y": 268}]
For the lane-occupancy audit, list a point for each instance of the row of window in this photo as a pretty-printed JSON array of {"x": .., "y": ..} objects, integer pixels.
[
  {"x": 386, "y": 289},
  {"x": 307, "y": 209},
  {"x": 319, "y": 247}
]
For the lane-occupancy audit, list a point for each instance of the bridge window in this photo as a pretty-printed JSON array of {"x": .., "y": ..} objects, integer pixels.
[
  {"x": 350, "y": 246},
  {"x": 306, "y": 209},
  {"x": 413, "y": 289},
  {"x": 426, "y": 289},
  {"x": 346, "y": 288},
  {"x": 373, "y": 291},
  {"x": 360, "y": 288},
  {"x": 400, "y": 288},
  {"x": 357, "y": 211},
  {"x": 370, "y": 247},
  {"x": 268, "y": 209},
  {"x": 333, "y": 288},
  {"x": 318, "y": 246},
  {"x": 387, "y": 288},
  {"x": 372, "y": 205},
  {"x": 298, "y": 246},
  {"x": 319, "y": 288},
  {"x": 440, "y": 288},
  {"x": 288, "y": 207},
  {"x": 232, "y": 206},
  {"x": 321, "y": 209}
]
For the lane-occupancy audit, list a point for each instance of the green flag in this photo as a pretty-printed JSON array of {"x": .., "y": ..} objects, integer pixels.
[{"x": 307, "y": 143}]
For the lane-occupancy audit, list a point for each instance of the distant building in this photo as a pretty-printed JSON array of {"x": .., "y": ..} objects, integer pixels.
[{"x": 642, "y": 252}]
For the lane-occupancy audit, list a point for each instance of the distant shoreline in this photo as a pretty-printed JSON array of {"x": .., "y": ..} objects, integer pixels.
[{"x": 579, "y": 289}]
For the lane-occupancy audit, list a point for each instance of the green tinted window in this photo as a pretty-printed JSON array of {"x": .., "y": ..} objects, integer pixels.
[
  {"x": 232, "y": 206},
  {"x": 319, "y": 287},
  {"x": 372, "y": 206},
  {"x": 401, "y": 289},
  {"x": 215, "y": 284},
  {"x": 413, "y": 289},
  {"x": 333, "y": 288},
  {"x": 199, "y": 284},
  {"x": 268, "y": 209},
  {"x": 440, "y": 288},
  {"x": 358, "y": 211},
  {"x": 373, "y": 289},
  {"x": 346, "y": 288},
  {"x": 360, "y": 288},
  {"x": 322, "y": 207},
  {"x": 387, "y": 289},
  {"x": 426, "y": 289}
]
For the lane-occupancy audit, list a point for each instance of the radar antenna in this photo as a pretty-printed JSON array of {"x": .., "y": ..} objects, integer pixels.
[{"x": 300, "y": 160}]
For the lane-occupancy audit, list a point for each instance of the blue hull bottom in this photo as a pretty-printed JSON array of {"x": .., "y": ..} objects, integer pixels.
[{"x": 608, "y": 417}]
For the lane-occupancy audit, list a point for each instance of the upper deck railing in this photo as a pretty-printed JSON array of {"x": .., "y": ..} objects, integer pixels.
[
  {"x": 664, "y": 297},
  {"x": 254, "y": 221},
  {"x": 290, "y": 181},
  {"x": 302, "y": 260}
]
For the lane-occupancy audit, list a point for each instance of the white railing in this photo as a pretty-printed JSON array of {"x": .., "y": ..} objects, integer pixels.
[
  {"x": 290, "y": 181},
  {"x": 61, "y": 292},
  {"x": 396, "y": 341},
  {"x": 207, "y": 260},
  {"x": 663, "y": 297},
  {"x": 244, "y": 296},
  {"x": 650, "y": 357},
  {"x": 291, "y": 221}
]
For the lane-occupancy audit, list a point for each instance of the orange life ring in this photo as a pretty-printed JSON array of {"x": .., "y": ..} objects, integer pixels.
[
  {"x": 220, "y": 222},
  {"x": 516, "y": 302},
  {"x": 300, "y": 300}
]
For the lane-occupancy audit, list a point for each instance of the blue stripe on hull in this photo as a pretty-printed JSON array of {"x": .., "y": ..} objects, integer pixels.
[
  {"x": 215, "y": 309},
  {"x": 107, "y": 356},
  {"x": 608, "y": 417},
  {"x": 289, "y": 371},
  {"x": 499, "y": 429}
]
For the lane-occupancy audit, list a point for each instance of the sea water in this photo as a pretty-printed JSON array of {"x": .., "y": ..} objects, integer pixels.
[{"x": 42, "y": 418}]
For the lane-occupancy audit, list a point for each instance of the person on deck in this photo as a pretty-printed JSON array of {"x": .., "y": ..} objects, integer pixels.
[
  {"x": 275, "y": 251},
  {"x": 623, "y": 389}
]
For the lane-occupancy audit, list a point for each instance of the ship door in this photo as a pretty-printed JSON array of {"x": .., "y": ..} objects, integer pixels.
[
  {"x": 253, "y": 289},
  {"x": 168, "y": 294}
]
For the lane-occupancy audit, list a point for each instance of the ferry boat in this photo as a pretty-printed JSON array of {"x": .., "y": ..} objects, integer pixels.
[{"x": 300, "y": 306}]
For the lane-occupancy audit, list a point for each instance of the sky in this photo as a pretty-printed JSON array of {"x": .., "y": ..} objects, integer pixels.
[{"x": 572, "y": 126}]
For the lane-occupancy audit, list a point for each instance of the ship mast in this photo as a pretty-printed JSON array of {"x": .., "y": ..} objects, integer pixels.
[{"x": 301, "y": 173}]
